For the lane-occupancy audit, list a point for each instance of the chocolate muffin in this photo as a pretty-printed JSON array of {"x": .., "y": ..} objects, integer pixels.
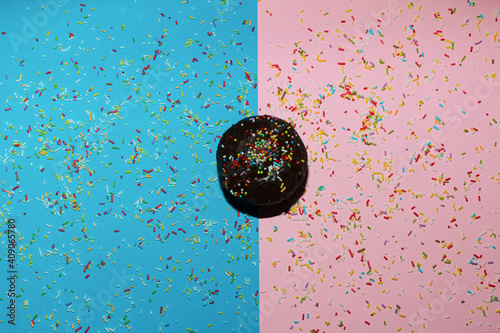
[{"x": 262, "y": 165}]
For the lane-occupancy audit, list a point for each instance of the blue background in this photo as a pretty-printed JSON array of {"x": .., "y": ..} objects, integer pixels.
[{"x": 107, "y": 125}]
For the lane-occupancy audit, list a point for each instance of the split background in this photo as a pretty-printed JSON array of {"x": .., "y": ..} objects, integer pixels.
[{"x": 111, "y": 114}]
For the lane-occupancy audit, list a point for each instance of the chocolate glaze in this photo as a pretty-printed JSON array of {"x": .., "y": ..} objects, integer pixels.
[{"x": 261, "y": 161}]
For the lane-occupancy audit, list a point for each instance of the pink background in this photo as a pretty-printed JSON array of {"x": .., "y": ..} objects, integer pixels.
[{"x": 417, "y": 204}]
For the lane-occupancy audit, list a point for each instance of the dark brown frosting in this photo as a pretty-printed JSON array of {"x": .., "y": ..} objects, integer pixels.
[{"x": 261, "y": 160}]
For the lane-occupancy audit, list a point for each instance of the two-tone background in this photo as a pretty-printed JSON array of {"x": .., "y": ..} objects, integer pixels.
[{"x": 110, "y": 118}]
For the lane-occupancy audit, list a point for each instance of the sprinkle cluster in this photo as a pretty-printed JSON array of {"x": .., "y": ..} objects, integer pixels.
[{"x": 259, "y": 153}]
